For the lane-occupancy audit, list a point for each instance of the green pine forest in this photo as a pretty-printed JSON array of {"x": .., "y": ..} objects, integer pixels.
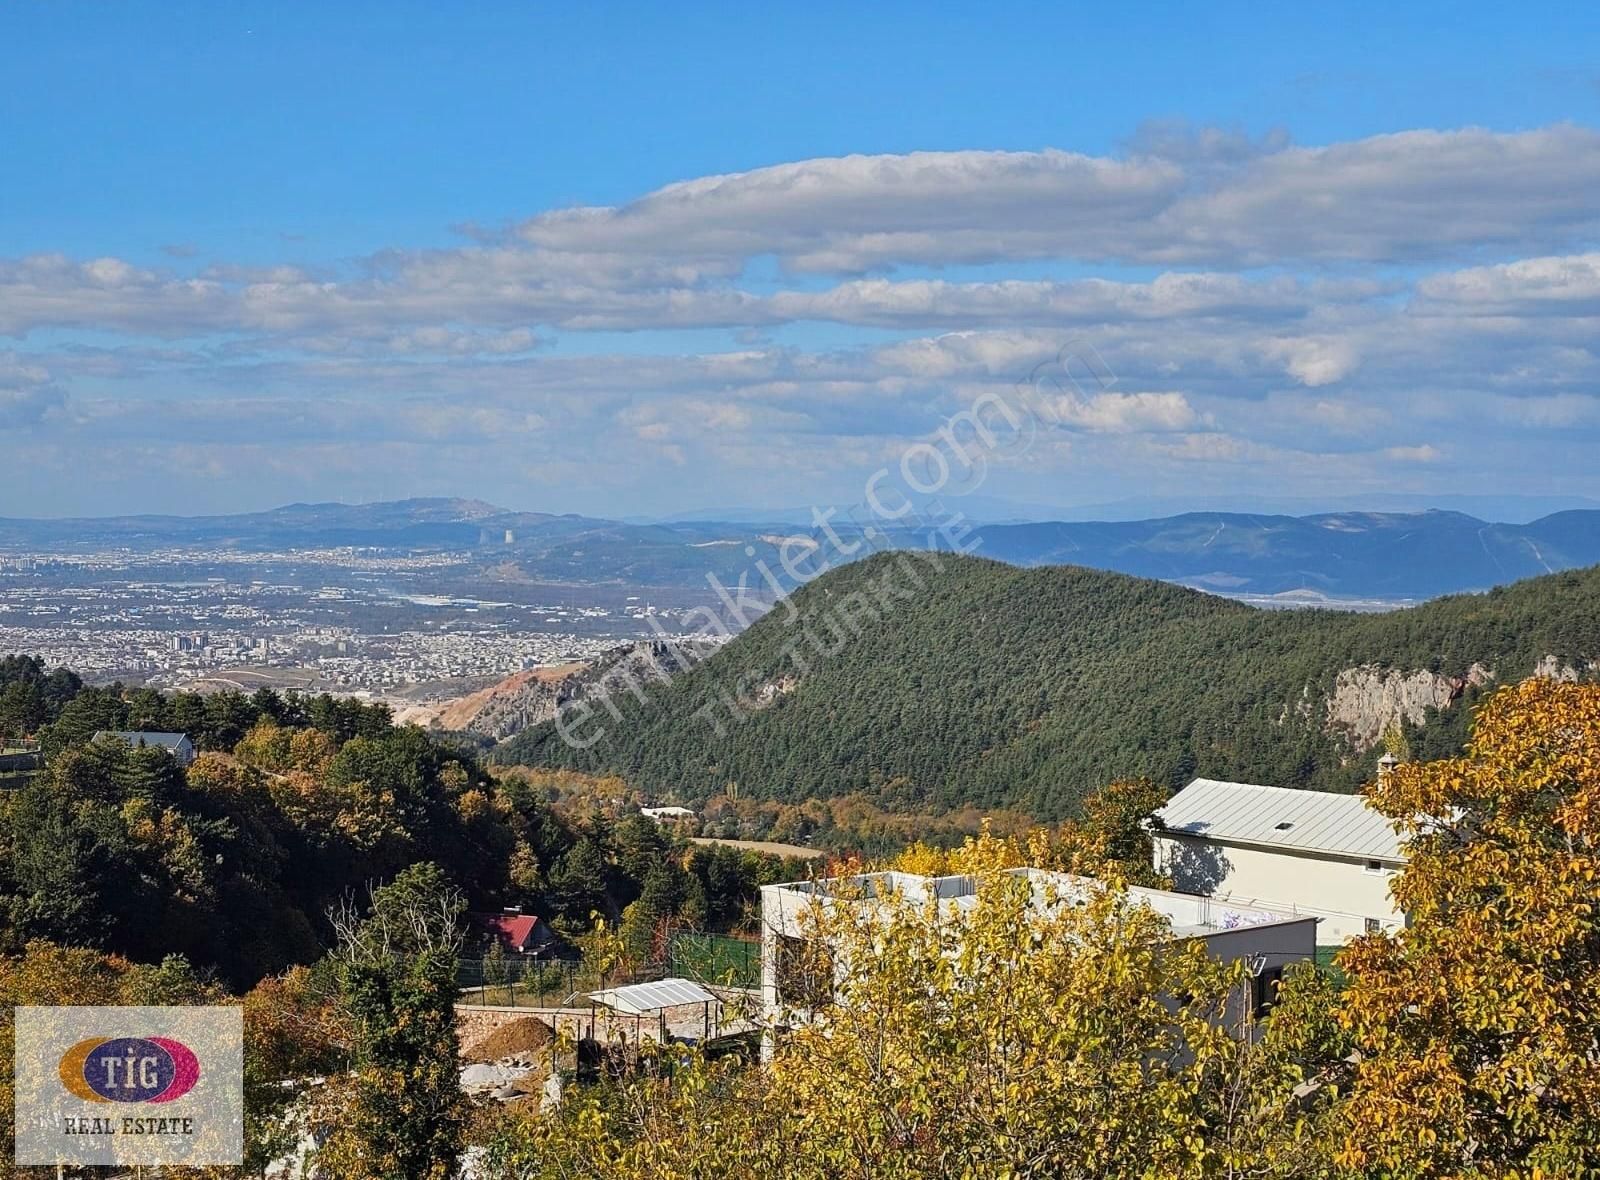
[
  {"x": 294, "y": 806},
  {"x": 929, "y": 682}
]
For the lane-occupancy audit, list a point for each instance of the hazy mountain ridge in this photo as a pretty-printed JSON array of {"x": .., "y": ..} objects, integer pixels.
[{"x": 1348, "y": 554}]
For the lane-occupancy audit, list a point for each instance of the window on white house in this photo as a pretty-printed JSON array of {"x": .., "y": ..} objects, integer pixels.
[
  {"x": 1374, "y": 866},
  {"x": 1373, "y": 925}
]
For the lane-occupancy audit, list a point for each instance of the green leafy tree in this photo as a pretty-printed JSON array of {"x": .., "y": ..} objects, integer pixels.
[
  {"x": 496, "y": 964},
  {"x": 578, "y": 883},
  {"x": 400, "y": 1116},
  {"x": 647, "y": 917}
]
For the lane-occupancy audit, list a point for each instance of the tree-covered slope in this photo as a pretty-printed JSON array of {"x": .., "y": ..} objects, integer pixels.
[{"x": 981, "y": 682}]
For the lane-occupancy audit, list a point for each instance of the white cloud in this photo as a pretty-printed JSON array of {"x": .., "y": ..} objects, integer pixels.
[
  {"x": 1555, "y": 411},
  {"x": 26, "y": 393},
  {"x": 1303, "y": 371},
  {"x": 1315, "y": 362},
  {"x": 1413, "y": 195},
  {"x": 1424, "y": 453},
  {"x": 1566, "y": 285},
  {"x": 106, "y": 293},
  {"x": 1123, "y": 413},
  {"x": 672, "y": 258},
  {"x": 27, "y": 407}
]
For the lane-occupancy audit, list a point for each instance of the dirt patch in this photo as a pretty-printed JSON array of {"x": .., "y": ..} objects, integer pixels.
[
  {"x": 771, "y": 847},
  {"x": 519, "y": 1038}
]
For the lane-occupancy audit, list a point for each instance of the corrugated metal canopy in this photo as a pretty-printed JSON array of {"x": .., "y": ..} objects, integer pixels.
[
  {"x": 1312, "y": 821},
  {"x": 652, "y": 997}
]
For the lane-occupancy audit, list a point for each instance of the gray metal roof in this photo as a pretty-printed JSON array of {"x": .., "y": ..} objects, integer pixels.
[
  {"x": 652, "y": 997},
  {"x": 1311, "y": 821},
  {"x": 149, "y": 737}
]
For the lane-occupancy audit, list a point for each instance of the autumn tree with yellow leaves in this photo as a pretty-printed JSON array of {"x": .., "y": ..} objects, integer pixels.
[
  {"x": 1083, "y": 1042},
  {"x": 998, "y": 1040},
  {"x": 1478, "y": 1026},
  {"x": 1113, "y": 838}
]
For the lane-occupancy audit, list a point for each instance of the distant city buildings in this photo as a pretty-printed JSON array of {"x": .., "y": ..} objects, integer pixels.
[{"x": 339, "y": 620}]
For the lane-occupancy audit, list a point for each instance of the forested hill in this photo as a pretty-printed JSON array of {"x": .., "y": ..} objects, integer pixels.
[{"x": 981, "y": 682}]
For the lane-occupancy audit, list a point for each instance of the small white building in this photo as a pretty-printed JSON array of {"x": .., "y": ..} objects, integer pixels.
[
  {"x": 668, "y": 815},
  {"x": 1268, "y": 940},
  {"x": 1291, "y": 851},
  {"x": 176, "y": 744}
]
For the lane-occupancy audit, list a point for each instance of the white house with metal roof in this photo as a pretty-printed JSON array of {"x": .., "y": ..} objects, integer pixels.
[
  {"x": 176, "y": 744},
  {"x": 1296, "y": 852},
  {"x": 1269, "y": 941}
]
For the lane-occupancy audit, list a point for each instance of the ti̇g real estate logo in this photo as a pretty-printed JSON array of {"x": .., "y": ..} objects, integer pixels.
[{"x": 130, "y": 1085}]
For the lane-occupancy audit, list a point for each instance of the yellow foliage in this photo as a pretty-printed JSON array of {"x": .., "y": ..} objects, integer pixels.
[
  {"x": 365, "y": 814},
  {"x": 1003, "y": 1041},
  {"x": 1110, "y": 841},
  {"x": 473, "y": 806},
  {"x": 1479, "y": 1024},
  {"x": 311, "y": 750},
  {"x": 983, "y": 853},
  {"x": 266, "y": 746}
]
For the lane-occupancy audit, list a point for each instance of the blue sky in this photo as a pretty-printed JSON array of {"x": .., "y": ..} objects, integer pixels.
[{"x": 252, "y": 254}]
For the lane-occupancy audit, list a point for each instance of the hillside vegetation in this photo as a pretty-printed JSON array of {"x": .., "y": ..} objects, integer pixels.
[
  {"x": 294, "y": 804},
  {"x": 936, "y": 681}
]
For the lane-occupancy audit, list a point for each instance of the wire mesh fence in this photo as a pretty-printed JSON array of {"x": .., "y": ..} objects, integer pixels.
[
  {"x": 716, "y": 959},
  {"x": 515, "y": 982},
  {"x": 525, "y": 983}
]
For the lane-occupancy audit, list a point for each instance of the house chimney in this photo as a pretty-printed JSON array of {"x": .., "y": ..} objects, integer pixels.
[{"x": 1385, "y": 764}]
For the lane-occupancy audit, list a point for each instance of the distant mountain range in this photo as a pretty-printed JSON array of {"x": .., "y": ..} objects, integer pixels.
[
  {"x": 1416, "y": 555},
  {"x": 1391, "y": 556},
  {"x": 989, "y": 509}
]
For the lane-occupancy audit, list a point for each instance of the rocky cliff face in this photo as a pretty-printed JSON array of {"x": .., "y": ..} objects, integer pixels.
[
  {"x": 518, "y": 701},
  {"x": 1554, "y": 668},
  {"x": 1369, "y": 700},
  {"x": 528, "y": 698}
]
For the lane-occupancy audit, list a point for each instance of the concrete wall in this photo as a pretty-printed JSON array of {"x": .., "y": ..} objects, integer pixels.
[
  {"x": 1342, "y": 892},
  {"x": 1264, "y": 947},
  {"x": 1275, "y": 944}
]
